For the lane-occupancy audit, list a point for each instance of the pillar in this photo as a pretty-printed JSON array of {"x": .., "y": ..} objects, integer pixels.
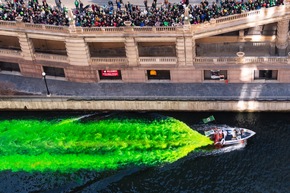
[
  {"x": 282, "y": 37},
  {"x": 26, "y": 45},
  {"x": 188, "y": 51},
  {"x": 241, "y": 34},
  {"x": 180, "y": 51},
  {"x": 131, "y": 51},
  {"x": 272, "y": 49},
  {"x": 193, "y": 48},
  {"x": 77, "y": 51}
]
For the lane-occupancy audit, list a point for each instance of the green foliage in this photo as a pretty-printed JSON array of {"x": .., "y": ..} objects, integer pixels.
[{"x": 70, "y": 145}]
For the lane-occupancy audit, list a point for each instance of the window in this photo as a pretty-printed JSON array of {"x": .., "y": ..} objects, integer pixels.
[
  {"x": 110, "y": 75},
  {"x": 52, "y": 71},
  {"x": 266, "y": 74},
  {"x": 215, "y": 75},
  {"x": 8, "y": 66},
  {"x": 158, "y": 74}
]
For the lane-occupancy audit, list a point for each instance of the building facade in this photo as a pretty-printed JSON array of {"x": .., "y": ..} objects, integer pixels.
[{"x": 248, "y": 47}]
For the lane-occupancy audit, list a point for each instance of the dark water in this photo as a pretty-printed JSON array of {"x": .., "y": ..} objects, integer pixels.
[{"x": 262, "y": 166}]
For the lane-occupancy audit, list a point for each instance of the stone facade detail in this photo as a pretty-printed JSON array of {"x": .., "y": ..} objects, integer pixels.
[
  {"x": 84, "y": 74},
  {"x": 180, "y": 51},
  {"x": 26, "y": 47},
  {"x": 188, "y": 51},
  {"x": 77, "y": 51},
  {"x": 131, "y": 51},
  {"x": 193, "y": 48},
  {"x": 282, "y": 36},
  {"x": 30, "y": 70},
  {"x": 133, "y": 75}
]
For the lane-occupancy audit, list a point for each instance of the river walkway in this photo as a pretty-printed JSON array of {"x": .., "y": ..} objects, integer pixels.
[
  {"x": 150, "y": 96},
  {"x": 150, "y": 91}
]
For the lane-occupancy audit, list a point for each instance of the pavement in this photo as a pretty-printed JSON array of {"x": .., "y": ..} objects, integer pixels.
[{"x": 148, "y": 90}]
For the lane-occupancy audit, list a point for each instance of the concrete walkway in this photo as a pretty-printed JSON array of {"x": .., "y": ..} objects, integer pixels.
[{"x": 150, "y": 91}]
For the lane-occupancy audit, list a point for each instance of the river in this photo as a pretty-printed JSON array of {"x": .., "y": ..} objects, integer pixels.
[{"x": 261, "y": 166}]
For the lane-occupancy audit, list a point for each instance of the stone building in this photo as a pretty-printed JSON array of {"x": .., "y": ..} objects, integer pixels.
[{"x": 249, "y": 47}]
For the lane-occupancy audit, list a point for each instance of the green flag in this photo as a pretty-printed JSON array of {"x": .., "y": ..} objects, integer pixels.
[{"x": 209, "y": 119}]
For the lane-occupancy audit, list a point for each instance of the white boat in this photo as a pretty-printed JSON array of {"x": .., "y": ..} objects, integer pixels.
[{"x": 224, "y": 136}]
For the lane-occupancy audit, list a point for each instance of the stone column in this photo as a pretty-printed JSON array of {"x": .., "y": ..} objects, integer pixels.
[
  {"x": 131, "y": 51},
  {"x": 193, "y": 48},
  {"x": 180, "y": 51},
  {"x": 188, "y": 51},
  {"x": 77, "y": 51},
  {"x": 272, "y": 49},
  {"x": 242, "y": 34},
  {"x": 282, "y": 37},
  {"x": 26, "y": 46}
]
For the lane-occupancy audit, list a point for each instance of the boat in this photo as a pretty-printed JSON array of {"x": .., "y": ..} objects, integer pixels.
[{"x": 225, "y": 136}]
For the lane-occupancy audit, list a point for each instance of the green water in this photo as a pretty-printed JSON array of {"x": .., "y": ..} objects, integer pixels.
[{"x": 108, "y": 144}]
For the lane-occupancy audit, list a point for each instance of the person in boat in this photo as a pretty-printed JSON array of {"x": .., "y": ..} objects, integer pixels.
[
  {"x": 234, "y": 134},
  {"x": 218, "y": 136}
]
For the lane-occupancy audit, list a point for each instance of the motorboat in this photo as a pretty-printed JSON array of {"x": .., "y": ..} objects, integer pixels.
[{"x": 224, "y": 136}]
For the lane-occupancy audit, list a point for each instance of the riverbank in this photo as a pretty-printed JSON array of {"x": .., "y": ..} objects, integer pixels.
[{"x": 64, "y": 103}]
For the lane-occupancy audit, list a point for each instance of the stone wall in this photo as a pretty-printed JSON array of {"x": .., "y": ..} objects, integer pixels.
[{"x": 64, "y": 104}]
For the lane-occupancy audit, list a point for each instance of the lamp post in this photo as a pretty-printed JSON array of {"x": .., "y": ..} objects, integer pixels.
[{"x": 44, "y": 78}]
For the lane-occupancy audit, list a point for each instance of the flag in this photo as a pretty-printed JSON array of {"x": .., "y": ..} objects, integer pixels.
[{"x": 209, "y": 119}]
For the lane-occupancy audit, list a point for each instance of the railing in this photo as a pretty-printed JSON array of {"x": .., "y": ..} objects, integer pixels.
[
  {"x": 11, "y": 53},
  {"x": 266, "y": 59},
  {"x": 214, "y": 24},
  {"x": 46, "y": 27},
  {"x": 158, "y": 60},
  {"x": 7, "y": 23},
  {"x": 96, "y": 61},
  {"x": 225, "y": 23},
  {"x": 51, "y": 57},
  {"x": 227, "y": 60},
  {"x": 238, "y": 16},
  {"x": 103, "y": 29}
]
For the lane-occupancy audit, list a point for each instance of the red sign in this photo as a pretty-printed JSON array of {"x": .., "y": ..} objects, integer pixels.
[{"x": 110, "y": 73}]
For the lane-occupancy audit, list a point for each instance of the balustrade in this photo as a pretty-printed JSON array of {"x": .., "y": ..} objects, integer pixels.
[
  {"x": 199, "y": 28},
  {"x": 50, "y": 57},
  {"x": 158, "y": 60},
  {"x": 232, "y": 60},
  {"x": 99, "y": 61},
  {"x": 11, "y": 53}
]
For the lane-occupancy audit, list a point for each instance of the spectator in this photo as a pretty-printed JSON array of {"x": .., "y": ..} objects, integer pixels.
[
  {"x": 77, "y": 4},
  {"x": 102, "y": 16}
]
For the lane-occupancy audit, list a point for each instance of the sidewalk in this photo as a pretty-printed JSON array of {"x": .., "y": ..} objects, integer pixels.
[{"x": 150, "y": 91}]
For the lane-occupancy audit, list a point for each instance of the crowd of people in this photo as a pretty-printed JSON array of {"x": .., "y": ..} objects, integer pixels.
[
  {"x": 114, "y": 14},
  {"x": 33, "y": 11}
]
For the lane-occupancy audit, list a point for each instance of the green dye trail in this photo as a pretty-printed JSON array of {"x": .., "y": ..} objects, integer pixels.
[{"x": 70, "y": 145}]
